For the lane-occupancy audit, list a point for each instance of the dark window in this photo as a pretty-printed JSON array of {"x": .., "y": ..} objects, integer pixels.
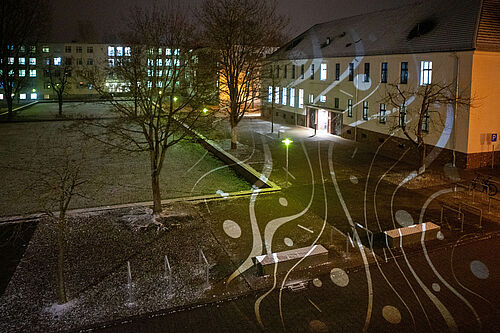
[
  {"x": 365, "y": 110},
  {"x": 78, "y": 49},
  {"x": 404, "y": 72},
  {"x": 337, "y": 72},
  {"x": 402, "y": 116},
  {"x": 349, "y": 108},
  {"x": 425, "y": 122},
  {"x": 383, "y": 73},
  {"x": 382, "y": 118},
  {"x": 90, "y": 49},
  {"x": 277, "y": 70},
  {"x": 302, "y": 71},
  {"x": 367, "y": 72},
  {"x": 351, "y": 72},
  {"x": 293, "y": 71},
  {"x": 312, "y": 71},
  {"x": 68, "y": 61},
  {"x": 285, "y": 71},
  {"x": 67, "y": 49},
  {"x": 337, "y": 102}
]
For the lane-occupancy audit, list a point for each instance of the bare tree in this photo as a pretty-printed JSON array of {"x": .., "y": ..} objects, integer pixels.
[
  {"x": 165, "y": 74},
  {"x": 270, "y": 74},
  {"x": 415, "y": 118},
  {"x": 59, "y": 73},
  {"x": 22, "y": 24},
  {"x": 60, "y": 184},
  {"x": 240, "y": 32}
]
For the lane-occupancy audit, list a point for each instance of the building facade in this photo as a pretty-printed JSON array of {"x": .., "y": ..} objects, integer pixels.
[{"x": 337, "y": 76}]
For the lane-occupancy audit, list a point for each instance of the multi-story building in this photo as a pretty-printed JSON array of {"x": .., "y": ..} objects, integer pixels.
[
  {"x": 34, "y": 62},
  {"x": 336, "y": 76}
]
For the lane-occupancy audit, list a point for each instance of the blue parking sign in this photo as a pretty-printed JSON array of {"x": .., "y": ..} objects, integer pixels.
[{"x": 494, "y": 137}]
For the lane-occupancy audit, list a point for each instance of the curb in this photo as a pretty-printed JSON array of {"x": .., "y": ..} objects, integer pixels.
[{"x": 25, "y": 106}]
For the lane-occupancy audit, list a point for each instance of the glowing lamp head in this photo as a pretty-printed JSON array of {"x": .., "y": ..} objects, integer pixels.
[
  {"x": 287, "y": 142},
  {"x": 175, "y": 98},
  {"x": 205, "y": 110}
]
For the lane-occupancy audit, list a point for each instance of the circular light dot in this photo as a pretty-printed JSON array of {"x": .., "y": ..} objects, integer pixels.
[
  {"x": 231, "y": 228},
  {"x": 440, "y": 235},
  {"x": 288, "y": 241},
  {"x": 391, "y": 314},
  {"x": 317, "y": 326},
  {"x": 404, "y": 218},
  {"x": 353, "y": 179},
  {"x": 436, "y": 287},
  {"x": 317, "y": 282},
  {"x": 283, "y": 202},
  {"x": 339, "y": 277},
  {"x": 479, "y": 269}
]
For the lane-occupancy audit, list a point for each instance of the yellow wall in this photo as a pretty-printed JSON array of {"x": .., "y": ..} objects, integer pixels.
[{"x": 485, "y": 113}]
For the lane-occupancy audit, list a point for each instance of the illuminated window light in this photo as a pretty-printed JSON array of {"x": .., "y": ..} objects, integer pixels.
[
  {"x": 119, "y": 51},
  {"x": 22, "y": 73},
  {"x": 270, "y": 95},
  {"x": 57, "y": 61},
  {"x": 33, "y": 61},
  {"x": 284, "y": 99},
  {"x": 22, "y": 96},
  {"x": 34, "y": 96},
  {"x": 111, "y": 51},
  {"x": 322, "y": 98},
  {"x": 22, "y": 61},
  {"x": 301, "y": 98},
  {"x": 32, "y": 72},
  {"x": 323, "y": 72},
  {"x": 425, "y": 73},
  {"x": 292, "y": 97}
]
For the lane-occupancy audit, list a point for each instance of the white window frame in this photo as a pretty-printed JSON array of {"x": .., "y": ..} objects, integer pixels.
[
  {"x": 425, "y": 72},
  {"x": 311, "y": 98},
  {"x": 284, "y": 97},
  {"x": 22, "y": 73},
  {"x": 127, "y": 51},
  {"x": 322, "y": 98},
  {"x": 111, "y": 51},
  {"x": 292, "y": 97},
  {"x": 119, "y": 51},
  {"x": 270, "y": 94},
  {"x": 22, "y": 61},
  {"x": 277, "y": 95},
  {"x": 323, "y": 73},
  {"x": 301, "y": 98},
  {"x": 57, "y": 61},
  {"x": 32, "y": 61},
  {"x": 32, "y": 72}
]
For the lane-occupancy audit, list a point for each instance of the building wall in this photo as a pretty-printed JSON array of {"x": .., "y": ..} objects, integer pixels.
[{"x": 445, "y": 68}]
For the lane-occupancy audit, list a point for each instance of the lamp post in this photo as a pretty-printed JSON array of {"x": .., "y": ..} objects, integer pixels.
[{"x": 287, "y": 143}]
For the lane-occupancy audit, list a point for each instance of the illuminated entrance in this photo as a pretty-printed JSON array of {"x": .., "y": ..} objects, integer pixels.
[{"x": 325, "y": 121}]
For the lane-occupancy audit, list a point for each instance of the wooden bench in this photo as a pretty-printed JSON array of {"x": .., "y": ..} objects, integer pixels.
[
  {"x": 314, "y": 255},
  {"x": 411, "y": 234}
]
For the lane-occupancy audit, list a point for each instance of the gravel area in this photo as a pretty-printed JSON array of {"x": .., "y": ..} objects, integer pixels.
[{"x": 99, "y": 246}]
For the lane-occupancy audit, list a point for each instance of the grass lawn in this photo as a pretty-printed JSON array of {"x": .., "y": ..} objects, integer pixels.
[{"x": 113, "y": 177}]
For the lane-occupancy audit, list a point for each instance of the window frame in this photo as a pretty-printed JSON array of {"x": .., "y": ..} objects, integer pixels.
[
  {"x": 382, "y": 114},
  {"x": 367, "y": 72},
  {"x": 365, "y": 110},
  {"x": 323, "y": 72},
  {"x": 351, "y": 71},
  {"x": 349, "y": 108},
  {"x": 383, "y": 72},
  {"x": 404, "y": 73}
]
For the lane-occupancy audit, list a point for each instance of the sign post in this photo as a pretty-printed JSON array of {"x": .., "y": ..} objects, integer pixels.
[{"x": 494, "y": 138}]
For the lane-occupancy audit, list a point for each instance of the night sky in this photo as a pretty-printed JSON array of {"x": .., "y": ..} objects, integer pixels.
[{"x": 107, "y": 15}]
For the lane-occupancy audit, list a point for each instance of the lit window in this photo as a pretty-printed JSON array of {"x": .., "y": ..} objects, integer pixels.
[
  {"x": 1, "y": 97},
  {"x": 57, "y": 61},
  {"x": 301, "y": 98},
  {"x": 168, "y": 52},
  {"x": 127, "y": 51},
  {"x": 270, "y": 96},
  {"x": 22, "y": 48},
  {"x": 168, "y": 62},
  {"x": 32, "y": 49},
  {"x": 32, "y": 61},
  {"x": 176, "y": 52},
  {"x": 323, "y": 72},
  {"x": 151, "y": 62},
  {"x": 22, "y": 61},
  {"x": 46, "y": 96},
  {"x": 111, "y": 62},
  {"x": 10, "y": 60},
  {"x": 322, "y": 98},
  {"x": 277, "y": 95},
  {"x": 34, "y": 96},
  {"x": 32, "y": 72},
  {"x": 119, "y": 51},
  {"x": 382, "y": 118},
  {"x": 78, "y": 49},
  {"x": 425, "y": 72},
  {"x": 160, "y": 50},
  {"x": 159, "y": 62},
  {"x": 11, "y": 72},
  {"x": 45, "y": 49},
  {"x": 22, "y": 96},
  {"x": 292, "y": 97},
  {"x": 284, "y": 99},
  {"x": 349, "y": 108},
  {"x": 150, "y": 84},
  {"x": 46, "y": 61},
  {"x": 365, "y": 110},
  {"x": 159, "y": 73},
  {"x": 111, "y": 51},
  {"x": 22, "y": 73},
  {"x": 311, "y": 98}
]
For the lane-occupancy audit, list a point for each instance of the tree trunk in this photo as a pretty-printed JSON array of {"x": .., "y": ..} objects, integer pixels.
[
  {"x": 60, "y": 105},
  {"x": 10, "y": 111},
  {"x": 234, "y": 137},
  {"x": 61, "y": 286},
  {"x": 155, "y": 184}
]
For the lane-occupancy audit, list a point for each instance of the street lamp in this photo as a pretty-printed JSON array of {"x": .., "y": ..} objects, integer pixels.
[
  {"x": 287, "y": 142},
  {"x": 205, "y": 110}
]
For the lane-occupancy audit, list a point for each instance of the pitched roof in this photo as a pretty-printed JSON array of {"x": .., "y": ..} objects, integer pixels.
[{"x": 425, "y": 26}]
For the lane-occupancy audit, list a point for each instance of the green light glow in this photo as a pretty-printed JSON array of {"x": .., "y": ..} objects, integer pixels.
[
  {"x": 287, "y": 142},
  {"x": 175, "y": 99},
  {"x": 205, "y": 110}
]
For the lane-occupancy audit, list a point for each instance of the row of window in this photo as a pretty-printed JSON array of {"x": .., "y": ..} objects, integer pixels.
[
  {"x": 119, "y": 51},
  {"x": 22, "y": 48},
  {"x": 21, "y": 61},
  {"x": 78, "y": 49},
  {"x": 425, "y": 72},
  {"x": 382, "y": 111}
]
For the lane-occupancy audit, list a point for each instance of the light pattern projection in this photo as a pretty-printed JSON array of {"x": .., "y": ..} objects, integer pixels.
[{"x": 390, "y": 288}]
